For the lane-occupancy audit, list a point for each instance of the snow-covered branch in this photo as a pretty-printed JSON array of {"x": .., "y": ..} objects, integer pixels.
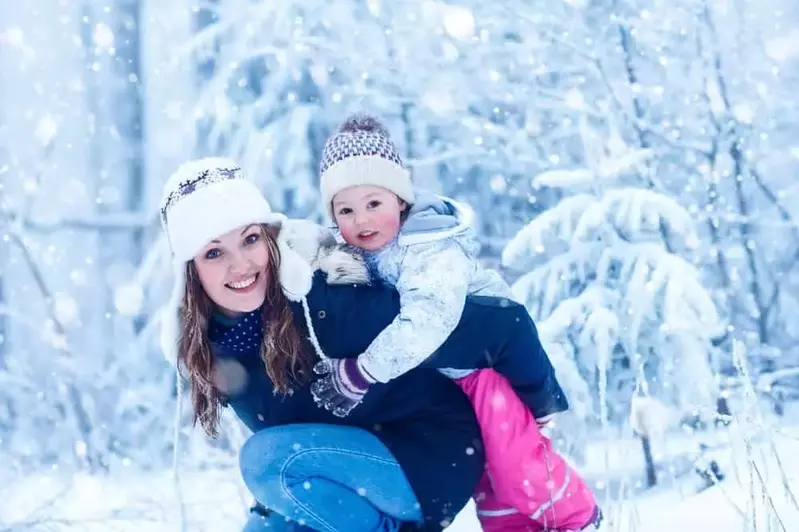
[{"x": 122, "y": 221}]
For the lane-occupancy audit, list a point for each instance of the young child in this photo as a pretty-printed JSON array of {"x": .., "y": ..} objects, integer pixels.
[{"x": 423, "y": 245}]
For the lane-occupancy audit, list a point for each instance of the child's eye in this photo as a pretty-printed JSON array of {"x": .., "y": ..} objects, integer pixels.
[
  {"x": 344, "y": 210},
  {"x": 252, "y": 239},
  {"x": 373, "y": 204},
  {"x": 213, "y": 253}
]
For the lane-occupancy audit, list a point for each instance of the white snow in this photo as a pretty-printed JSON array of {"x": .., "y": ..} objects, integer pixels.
[
  {"x": 66, "y": 309},
  {"x": 129, "y": 299},
  {"x": 214, "y": 499},
  {"x": 458, "y": 21}
]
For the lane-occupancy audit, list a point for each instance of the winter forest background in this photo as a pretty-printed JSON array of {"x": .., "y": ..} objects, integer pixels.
[{"x": 634, "y": 169}]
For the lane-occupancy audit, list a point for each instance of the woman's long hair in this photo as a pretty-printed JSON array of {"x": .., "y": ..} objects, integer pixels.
[{"x": 281, "y": 349}]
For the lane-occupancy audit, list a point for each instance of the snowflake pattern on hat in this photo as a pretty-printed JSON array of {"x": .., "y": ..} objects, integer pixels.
[{"x": 202, "y": 179}]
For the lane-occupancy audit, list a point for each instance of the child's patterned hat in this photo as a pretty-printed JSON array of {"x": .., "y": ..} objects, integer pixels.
[{"x": 361, "y": 153}]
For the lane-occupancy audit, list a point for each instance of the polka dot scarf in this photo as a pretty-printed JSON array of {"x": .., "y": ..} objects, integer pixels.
[{"x": 238, "y": 336}]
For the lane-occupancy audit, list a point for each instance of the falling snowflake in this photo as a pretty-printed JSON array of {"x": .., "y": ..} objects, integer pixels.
[
  {"x": 103, "y": 37},
  {"x": 128, "y": 299},
  {"x": 46, "y": 130},
  {"x": 66, "y": 309},
  {"x": 458, "y": 22}
]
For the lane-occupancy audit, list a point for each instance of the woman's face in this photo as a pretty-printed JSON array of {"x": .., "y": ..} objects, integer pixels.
[{"x": 232, "y": 270}]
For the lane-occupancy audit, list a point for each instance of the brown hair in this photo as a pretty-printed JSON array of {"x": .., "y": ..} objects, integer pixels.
[{"x": 281, "y": 348}]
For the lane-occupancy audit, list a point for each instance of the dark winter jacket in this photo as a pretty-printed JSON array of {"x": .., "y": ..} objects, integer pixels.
[
  {"x": 422, "y": 417},
  {"x": 493, "y": 333}
]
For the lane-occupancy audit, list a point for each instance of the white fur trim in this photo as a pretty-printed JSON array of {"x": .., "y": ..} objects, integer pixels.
[
  {"x": 343, "y": 267},
  {"x": 317, "y": 245},
  {"x": 306, "y": 238},
  {"x": 365, "y": 170},
  {"x": 296, "y": 275}
]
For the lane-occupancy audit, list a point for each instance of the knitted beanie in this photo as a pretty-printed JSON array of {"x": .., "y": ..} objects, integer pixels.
[
  {"x": 361, "y": 153},
  {"x": 203, "y": 200}
]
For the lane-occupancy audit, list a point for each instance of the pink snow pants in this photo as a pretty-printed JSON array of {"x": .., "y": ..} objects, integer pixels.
[{"x": 527, "y": 485}]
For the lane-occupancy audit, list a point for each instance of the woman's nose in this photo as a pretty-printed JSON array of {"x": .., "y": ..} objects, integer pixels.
[{"x": 238, "y": 262}]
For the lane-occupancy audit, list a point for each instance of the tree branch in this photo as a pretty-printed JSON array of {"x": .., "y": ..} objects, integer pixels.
[
  {"x": 101, "y": 222},
  {"x": 70, "y": 393}
]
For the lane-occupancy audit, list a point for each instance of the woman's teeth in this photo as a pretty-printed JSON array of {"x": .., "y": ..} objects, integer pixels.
[{"x": 243, "y": 284}]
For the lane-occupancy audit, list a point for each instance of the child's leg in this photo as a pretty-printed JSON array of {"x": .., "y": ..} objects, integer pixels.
[
  {"x": 528, "y": 369},
  {"x": 496, "y": 516},
  {"x": 525, "y": 473}
]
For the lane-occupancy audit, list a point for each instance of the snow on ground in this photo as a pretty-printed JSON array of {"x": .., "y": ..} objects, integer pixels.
[{"x": 752, "y": 497}]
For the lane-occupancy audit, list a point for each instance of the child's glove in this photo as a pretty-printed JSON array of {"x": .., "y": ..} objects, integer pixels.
[{"x": 342, "y": 385}]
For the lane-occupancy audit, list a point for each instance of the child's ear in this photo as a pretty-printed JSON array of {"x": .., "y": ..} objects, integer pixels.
[{"x": 402, "y": 204}]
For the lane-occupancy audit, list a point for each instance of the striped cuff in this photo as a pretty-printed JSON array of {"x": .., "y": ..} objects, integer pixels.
[{"x": 353, "y": 377}]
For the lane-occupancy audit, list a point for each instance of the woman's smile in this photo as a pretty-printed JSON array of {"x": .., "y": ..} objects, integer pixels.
[{"x": 244, "y": 286}]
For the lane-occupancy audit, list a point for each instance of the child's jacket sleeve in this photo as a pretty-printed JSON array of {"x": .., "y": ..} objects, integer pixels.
[{"x": 432, "y": 285}]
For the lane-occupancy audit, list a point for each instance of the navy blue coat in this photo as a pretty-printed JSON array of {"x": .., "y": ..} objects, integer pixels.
[
  {"x": 493, "y": 333},
  {"x": 421, "y": 417}
]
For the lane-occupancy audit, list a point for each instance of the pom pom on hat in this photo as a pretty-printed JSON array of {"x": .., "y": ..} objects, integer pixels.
[{"x": 364, "y": 123}]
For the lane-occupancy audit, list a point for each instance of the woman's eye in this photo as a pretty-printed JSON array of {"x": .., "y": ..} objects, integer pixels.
[
  {"x": 252, "y": 239},
  {"x": 213, "y": 253}
]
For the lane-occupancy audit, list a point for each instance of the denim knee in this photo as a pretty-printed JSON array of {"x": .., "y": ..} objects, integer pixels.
[{"x": 260, "y": 465}]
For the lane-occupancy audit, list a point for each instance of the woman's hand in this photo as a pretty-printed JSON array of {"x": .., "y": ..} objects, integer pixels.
[{"x": 342, "y": 385}]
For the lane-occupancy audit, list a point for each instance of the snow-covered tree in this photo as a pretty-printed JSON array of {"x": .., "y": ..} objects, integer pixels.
[
  {"x": 608, "y": 272},
  {"x": 72, "y": 228}
]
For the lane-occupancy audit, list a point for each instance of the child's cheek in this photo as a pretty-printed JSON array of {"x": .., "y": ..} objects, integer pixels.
[
  {"x": 390, "y": 226},
  {"x": 348, "y": 233}
]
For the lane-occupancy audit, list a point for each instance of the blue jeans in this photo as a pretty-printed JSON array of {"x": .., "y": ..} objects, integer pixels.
[
  {"x": 326, "y": 478},
  {"x": 274, "y": 522}
]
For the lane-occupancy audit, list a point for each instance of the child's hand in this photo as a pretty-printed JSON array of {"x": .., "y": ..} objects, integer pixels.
[{"x": 341, "y": 387}]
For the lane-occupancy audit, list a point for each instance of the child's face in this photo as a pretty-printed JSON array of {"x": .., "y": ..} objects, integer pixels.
[
  {"x": 232, "y": 270},
  {"x": 368, "y": 217}
]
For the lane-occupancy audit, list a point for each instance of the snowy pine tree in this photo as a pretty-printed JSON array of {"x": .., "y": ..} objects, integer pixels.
[{"x": 607, "y": 272}]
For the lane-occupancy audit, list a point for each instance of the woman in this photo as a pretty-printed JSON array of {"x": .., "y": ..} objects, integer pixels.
[{"x": 243, "y": 335}]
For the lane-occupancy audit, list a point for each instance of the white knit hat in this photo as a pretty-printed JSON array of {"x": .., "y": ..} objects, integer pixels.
[
  {"x": 361, "y": 153},
  {"x": 203, "y": 200}
]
